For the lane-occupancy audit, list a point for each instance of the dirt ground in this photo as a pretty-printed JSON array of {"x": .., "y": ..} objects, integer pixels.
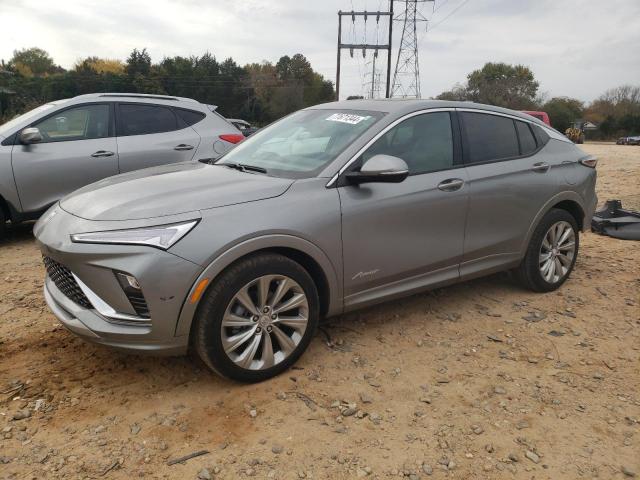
[{"x": 480, "y": 380}]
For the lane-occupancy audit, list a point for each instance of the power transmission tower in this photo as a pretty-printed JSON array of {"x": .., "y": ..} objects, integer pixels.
[
  {"x": 371, "y": 80},
  {"x": 406, "y": 78},
  {"x": 365, "y": 46}
]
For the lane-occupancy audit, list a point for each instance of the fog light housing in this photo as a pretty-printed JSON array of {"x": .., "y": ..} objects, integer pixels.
[
  {"x": 130, "y": 280},
  {"x": 133, "y": 291}
]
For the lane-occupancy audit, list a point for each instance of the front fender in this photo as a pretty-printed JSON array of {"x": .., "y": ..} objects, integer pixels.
[{"x": 246, "y": 247}]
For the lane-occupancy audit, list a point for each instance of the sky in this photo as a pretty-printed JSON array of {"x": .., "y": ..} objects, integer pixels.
[{"x": 577, "y": 48}]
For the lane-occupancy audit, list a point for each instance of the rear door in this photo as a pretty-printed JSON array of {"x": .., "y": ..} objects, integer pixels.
[
  {"x": 78, "y": 147},
  {"x": 510, "y": 180},
  {"x": 150, "y": 135}
]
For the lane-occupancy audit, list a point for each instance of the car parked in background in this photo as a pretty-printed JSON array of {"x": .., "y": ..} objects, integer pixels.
[
  {"x": 633, "y": 140},
  {"x": 333, "y": 208},
  {"x": 245, "y": 127},
  {"x": 64, "y": 145},
  {"x": 542, "y": 116}
]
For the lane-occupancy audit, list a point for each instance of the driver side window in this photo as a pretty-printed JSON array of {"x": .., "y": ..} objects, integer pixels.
[
  {"x": 79, "y": 123},
  {"x": 424, "y": 142}
]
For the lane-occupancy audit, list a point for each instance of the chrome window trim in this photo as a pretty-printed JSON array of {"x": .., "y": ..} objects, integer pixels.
[{"x": 380, "y": 134}]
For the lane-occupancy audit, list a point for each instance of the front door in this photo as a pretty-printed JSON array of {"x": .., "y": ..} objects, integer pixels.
[
  {"x": 403, "y": 237},
  {"x": 77, "y": 148}
]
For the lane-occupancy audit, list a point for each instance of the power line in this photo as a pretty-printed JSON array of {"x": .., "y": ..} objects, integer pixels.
[{"x": 449, "y": 15}]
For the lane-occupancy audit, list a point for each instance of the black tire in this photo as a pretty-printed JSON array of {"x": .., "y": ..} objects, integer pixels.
[
  {"x": 529, "y": 272},
  {"x": 207, "y": 336},
  {"x": 3, "y": 223}
]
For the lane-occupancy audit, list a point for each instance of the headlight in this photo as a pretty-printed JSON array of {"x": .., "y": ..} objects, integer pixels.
[{"x": 161, "y": 236}]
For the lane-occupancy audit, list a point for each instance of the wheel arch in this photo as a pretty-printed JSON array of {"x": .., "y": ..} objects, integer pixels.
[
  {"x": 574, "y": 208},
  {"x": 568, "y": 201},
  {"x": 4, "y": 207},
  {"x": 311, "y": 257}
]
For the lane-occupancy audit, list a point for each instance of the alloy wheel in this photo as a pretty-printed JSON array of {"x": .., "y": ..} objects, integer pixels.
[
  {"x": 557, "y": 252},
  {"x": 264, "y": 322}
]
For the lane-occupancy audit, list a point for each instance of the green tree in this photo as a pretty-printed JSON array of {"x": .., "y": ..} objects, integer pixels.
[
  {"x": 563, "y": 111},
  {"x": 458, "y": 93},
  {"x": 503, "y": 85},
  {"x": 33, "y": 62},
  {"x": 500, "y": 84},
  {"x": 139, "y": 62}
]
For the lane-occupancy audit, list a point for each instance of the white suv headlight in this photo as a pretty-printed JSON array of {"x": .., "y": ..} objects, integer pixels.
[{"x": 161, "y": 236}]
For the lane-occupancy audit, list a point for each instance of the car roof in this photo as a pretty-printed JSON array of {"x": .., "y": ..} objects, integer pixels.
[
  {"x": 133, "y": 96},
  {"x": 403, "y": 106}
]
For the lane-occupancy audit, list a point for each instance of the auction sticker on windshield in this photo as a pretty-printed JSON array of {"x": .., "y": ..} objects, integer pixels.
[{"x": 346, "y": 118}]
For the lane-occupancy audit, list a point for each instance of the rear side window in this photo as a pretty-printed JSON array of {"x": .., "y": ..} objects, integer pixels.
[
  {"x": 527, "y": 142},
  {"x": 490, "y": 137},
  {"x": 138, "y": 119},
  {"x": 541, "y": 136},
  {"x": 189, "y": 117},
  {"x": 424, "y": 142}
]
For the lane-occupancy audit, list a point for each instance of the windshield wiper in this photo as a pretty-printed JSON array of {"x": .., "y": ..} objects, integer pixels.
[{"x": 243, "y": 167}]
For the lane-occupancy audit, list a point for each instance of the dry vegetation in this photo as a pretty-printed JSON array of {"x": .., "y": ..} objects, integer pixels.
[{"x": 480, "y": 380}]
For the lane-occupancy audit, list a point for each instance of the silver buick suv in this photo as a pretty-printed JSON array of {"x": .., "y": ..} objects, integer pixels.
[{"x": 330, "y": 209}]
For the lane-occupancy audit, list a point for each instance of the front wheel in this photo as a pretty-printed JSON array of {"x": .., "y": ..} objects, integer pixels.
[
  {"x": 551, "y": 253},
  {"x": 257, "y": 319},
  {"x": 3, "y": 224}
]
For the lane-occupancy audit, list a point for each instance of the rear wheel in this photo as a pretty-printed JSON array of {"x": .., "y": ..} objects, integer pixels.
[
  {"x": 257, "y": 319},
  {"x": 3, "y": 224},
  {"x": 551, "y": 253}
]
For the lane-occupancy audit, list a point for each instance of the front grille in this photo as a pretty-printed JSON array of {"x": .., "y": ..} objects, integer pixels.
[{"x": 63, "y": 279}]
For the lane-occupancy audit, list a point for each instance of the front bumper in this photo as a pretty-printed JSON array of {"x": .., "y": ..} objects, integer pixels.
[
  {"x": 91, "y": 326},
  {"x": 165, "y": 279}
]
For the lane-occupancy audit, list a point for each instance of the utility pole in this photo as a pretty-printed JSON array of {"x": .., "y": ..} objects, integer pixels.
[
  {"x": 365, "y": 46},
  {"x": 406, "y": 78},
  {"x": 373, "y": 75},
  {"x": 388, "y": 89}
]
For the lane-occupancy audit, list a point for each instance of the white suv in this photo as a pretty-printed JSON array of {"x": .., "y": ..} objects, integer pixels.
[{"x": 64, "y": 145}]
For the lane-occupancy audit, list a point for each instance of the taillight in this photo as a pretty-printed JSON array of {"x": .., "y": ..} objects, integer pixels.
[
  {"x": 232, "y": 137},
  {"x": 590, "y": 162}
]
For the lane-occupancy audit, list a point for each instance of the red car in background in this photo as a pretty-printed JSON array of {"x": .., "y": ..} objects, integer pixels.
[{"x": 540, "y": 116}]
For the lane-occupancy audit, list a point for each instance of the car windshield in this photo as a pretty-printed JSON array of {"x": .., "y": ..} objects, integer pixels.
[
  {"x": 302, "y": 144},
  {"x": 7, "y": 126}
]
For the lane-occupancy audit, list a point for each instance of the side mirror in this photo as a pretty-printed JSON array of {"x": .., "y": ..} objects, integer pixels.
[
  {"x": 30, "y": 135},
  {"x": 380, "y": 168}
]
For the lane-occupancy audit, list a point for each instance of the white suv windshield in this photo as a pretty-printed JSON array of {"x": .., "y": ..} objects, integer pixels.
[{"x": 300, "y": 145}]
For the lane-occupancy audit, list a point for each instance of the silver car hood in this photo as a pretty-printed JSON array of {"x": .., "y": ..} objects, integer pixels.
[{"x": 170, "y": 190}]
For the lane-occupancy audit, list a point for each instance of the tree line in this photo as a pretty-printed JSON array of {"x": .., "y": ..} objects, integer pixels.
[
  {"x": 616, "y": 112},
  {"x": 264, "y": 92},
  {"x": 258, "y": 92}
]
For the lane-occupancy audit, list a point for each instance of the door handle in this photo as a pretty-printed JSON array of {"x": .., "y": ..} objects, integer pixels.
[
  {"x": 102, "y": 153},
  {"x": 540, "y": 167},
  {"x": 451, "y": 184},
  {"x": 183, "y": 146}
]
